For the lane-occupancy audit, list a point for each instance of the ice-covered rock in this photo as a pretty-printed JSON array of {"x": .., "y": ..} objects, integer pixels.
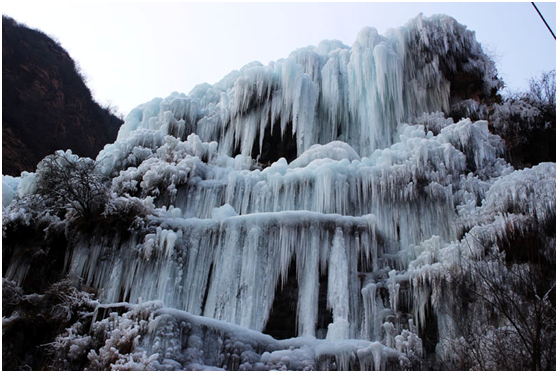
[{"x": 384, "y": 197}]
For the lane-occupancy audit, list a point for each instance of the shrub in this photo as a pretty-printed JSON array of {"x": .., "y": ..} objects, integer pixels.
[
  {"x": 528, "y": 118},
  {"x": 69, "y": 183}
]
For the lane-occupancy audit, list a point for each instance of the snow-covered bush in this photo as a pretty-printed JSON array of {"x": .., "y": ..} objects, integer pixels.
[
  {"x": 32, "y": 322},
  {"x": 29, "y": 212},
  {"x": 528, "y": 118},
  {"x": 128, "y": 212},
  {"x": 69, "y": 183},
  {"x": 514, "y": 117}
]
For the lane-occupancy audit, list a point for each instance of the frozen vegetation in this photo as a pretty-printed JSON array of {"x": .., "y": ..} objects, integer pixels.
[{"x": 334, "y": 178}]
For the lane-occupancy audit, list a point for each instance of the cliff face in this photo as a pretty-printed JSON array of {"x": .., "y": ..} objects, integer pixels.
[{"x": 46, "y": 105}]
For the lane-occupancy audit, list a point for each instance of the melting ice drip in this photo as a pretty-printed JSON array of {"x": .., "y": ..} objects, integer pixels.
[{"x": 373, "y": 193}]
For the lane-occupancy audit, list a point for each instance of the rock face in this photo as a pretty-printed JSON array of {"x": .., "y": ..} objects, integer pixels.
[{"x": 46, "y": 105}]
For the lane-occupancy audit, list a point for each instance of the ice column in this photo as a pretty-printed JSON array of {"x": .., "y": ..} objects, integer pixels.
[{"x": 338, "y": 289}]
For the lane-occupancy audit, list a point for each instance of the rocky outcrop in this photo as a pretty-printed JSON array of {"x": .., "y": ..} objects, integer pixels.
[{"x": 46, "y": 105}]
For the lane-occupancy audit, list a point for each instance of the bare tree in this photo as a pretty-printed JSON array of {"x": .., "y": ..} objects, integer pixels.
[
  {"x": 544, "y": 89},
  {"x": 506, "y": 316},
  {"x": 67, "y": 181}
]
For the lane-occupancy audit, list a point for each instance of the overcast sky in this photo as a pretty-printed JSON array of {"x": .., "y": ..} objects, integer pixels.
[{"x": 132, "y": 52}]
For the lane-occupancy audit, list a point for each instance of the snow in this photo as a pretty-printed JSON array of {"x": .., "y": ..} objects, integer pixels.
[
  {"x": 335, "y": 150},
  {"x": 165, "y": 338},
  {"x": 224, "y": 212}
]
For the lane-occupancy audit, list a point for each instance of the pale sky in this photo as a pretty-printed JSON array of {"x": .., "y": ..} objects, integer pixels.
[{"x": 132, "y": 52}]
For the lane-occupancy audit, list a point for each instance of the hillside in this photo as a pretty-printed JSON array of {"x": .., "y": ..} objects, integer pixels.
[{"x": 46, "y": 105}]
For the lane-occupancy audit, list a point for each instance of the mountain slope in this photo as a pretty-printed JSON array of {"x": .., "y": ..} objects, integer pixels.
[{"x": 46, "y": 105}]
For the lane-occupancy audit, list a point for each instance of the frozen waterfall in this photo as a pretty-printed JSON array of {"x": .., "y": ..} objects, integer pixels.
[{"x": 334, "y": 176}]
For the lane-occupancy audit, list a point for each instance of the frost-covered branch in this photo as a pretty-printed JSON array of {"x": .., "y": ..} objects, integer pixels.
[{"x": 67, "y": 181}]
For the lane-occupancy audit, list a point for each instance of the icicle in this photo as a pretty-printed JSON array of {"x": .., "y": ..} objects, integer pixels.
[
  {"x": 389, "y": 329},
  {"x": 337, "y": 290},
  {"x": 377, "y": 350},
  {"x": 369, "y": 300},
  {"x": 393, "y": 287},
  {"x": 308, "y": 274}
]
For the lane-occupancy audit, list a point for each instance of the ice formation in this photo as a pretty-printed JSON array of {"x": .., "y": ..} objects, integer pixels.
[{"x": 373, "y": 194}]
